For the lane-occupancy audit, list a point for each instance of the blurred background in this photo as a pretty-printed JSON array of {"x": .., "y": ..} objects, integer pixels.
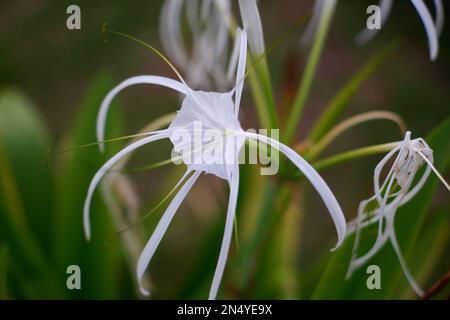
[{"x": 52, "y": 81}]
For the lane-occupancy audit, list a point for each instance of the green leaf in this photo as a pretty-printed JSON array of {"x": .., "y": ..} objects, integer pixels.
[
  {"x": 409, "y": 222},
  {"x": 25, "y": 190},
  {"x": 3, "y": 271},
  {"x": 428, "y": 252},
  {"x": 99, "y": 262},
  {"x": 25, "y": 141}
]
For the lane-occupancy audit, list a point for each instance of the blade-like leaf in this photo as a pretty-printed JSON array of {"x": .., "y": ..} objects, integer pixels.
[
  {"x": 340, "y": 101},
  {"x": 3, "y": 271},
  {"x": 99, "y": 263},
  {"x": 25, "y": 193}
]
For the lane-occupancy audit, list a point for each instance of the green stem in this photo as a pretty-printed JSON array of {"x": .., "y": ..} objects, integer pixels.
[
  {"x": 264, "y": 77},
  {"x": 310, "y": 70},
  {"x": 336, "y": 106},
  {"x": 349, "y": 155},
  {"x": 260, "y": 102}
]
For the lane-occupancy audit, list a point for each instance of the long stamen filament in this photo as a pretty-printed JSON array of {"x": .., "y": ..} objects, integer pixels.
[
  {"x": 434, "y": 169},
  {"x": 146, "y": 45},
  {"x": 141, "y": 219},
  {"x": 51, "y": 154}
]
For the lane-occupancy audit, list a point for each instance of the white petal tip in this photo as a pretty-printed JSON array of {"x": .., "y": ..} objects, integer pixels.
[
  {"x": 338, "y": 244},
  {"x": 433, "y": 56},
  {"x": 144, "y": 291},
  {"x": 87, "y": 234},
  {"x": 86, "y": 225}
]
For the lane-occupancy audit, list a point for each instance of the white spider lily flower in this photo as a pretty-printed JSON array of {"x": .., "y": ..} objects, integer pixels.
[
  {"x": 212, "y": 110},
  {"x": 397, "y": 189},
  {"x": 208, "y": 22},
  {"x": 433, "y": 28}
]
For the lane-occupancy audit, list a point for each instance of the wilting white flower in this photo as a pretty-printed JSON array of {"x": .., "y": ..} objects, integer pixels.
[
  {"x": 397, "y": 189},
  {"x": 432, "y": 28},
  {"x": 213, "y": 110},
  {"x": 208, "y": 21}
]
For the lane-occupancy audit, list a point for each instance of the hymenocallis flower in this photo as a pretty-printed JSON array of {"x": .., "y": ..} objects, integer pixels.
[
  {"x": 216, "y": 111},
  {"x": 205, "y": 60},
  {"x": 433, "y": 28},
  {"x": 399, "y": 186}
]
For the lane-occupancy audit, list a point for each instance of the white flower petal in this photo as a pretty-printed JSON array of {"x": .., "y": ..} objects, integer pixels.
[
  {"x": 405, "y": 269},
  {"x": 240, "y": 71},
  {"x": 315, "y": 179},
  {"x": 430, "y": 28},
  {"x": 161, "y": 228},
  {"x": 313, "y": 23},
  {"x": 103, "y": 112},
  {"x": 381, "y": 239},
  {"x": 378, "y": 190},
  {"x": 431, "y": 166},
  {"x": 366, "y": 35},
  {"x": 170, "y": 30},
  {"x": 252, "y": 23},
  {"x": 439, "y": 21},
  {"x": 104, "y": 169},
  {"x": 231, "y": 212}
]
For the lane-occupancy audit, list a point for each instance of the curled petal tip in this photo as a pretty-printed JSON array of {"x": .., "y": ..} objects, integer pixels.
[
  {"x": 144, "y": 291},
  {"x": 87, "y": 232}
]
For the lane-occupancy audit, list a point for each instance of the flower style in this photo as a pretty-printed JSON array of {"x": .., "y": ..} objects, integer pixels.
[
  {"x": 397, "y": 189},
  {"x": 213, "y": 110},
  {"x": 432, "y": 28},
  {"x": 209, "y": 23}
]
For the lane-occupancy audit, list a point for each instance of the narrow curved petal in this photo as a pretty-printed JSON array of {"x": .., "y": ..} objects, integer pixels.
[
  {"x": 240, "y": 71},
  {"x": 315, "y": 179},
  {"x": 405, "y": 269},
  {"x": 366, "y": 35},
  {"x": 157, "y": 80},
  {"x": 379, "y": 243},
  {"x": 252, "y": 23},
  {"x": 231, "y": 212},
  {"x": 354, "y": 224},
  {"x": 170, "y": 32},
  {"x": 430, "y": 28},
  {"x": 104, "y": 169},
  {"x": 431, "y": 166},
  {"x": 161, "y": 228},
  {"x": 419, "y": 185},
  {"x": 378, "y": 190},
  {"x": 439, "y": 21}
]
